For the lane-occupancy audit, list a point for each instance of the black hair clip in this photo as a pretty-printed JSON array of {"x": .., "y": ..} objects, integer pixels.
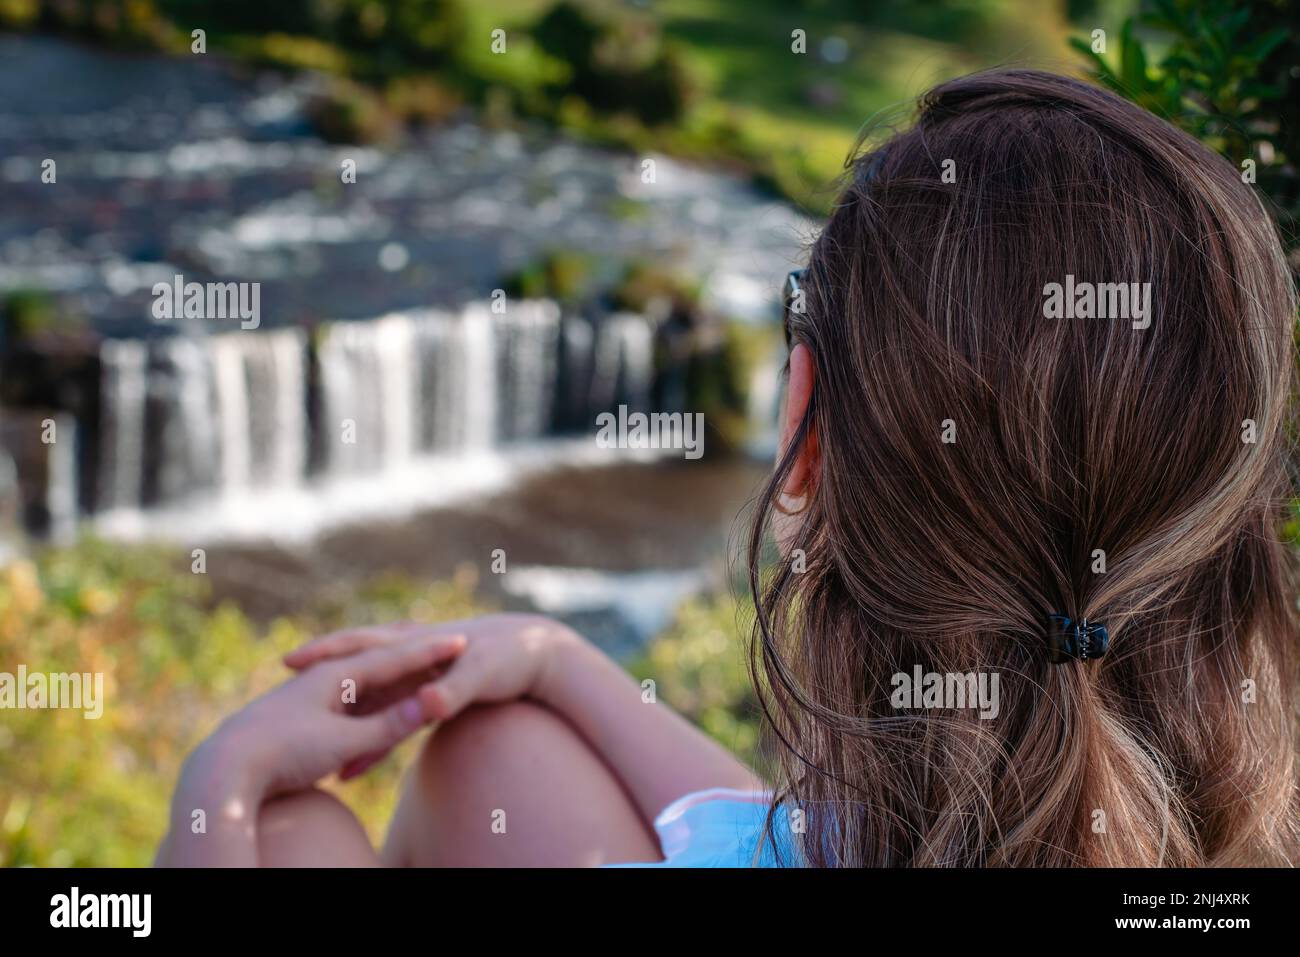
[{"x": 1071, "y": 640}]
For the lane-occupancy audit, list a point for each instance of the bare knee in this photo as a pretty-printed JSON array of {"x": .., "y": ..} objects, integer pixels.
[
  {"x": 485, "y": 736},
  {"x": 487, "y": 753},
  {"x": 514, "y": 783},
  {"x": 311, "y": 828}
]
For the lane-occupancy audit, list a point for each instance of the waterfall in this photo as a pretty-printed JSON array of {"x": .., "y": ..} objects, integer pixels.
[
  {"x": 431, "y": 382},
  {"x": 187, "y": 417},
  {"x": 287, "y": 360},
  {"x": 577, "y": 345},
  {"x": 636, "y": 341},
  {"x": 624, "y": 363},
  {"x": 529, "y": 333},
  {"x": 232, "y": 413},
  {"x": 477, "y": 336},
  {"x": 61, "y": 482},
  {"x": 220, "y": 421},
  {"x": 122, "y": 401},
  {"x": 260, "y": 408},
  {"x": 188, "y": 436},
  {"x": 436, "y": 387},
  {"x": 370, "y": 393}
]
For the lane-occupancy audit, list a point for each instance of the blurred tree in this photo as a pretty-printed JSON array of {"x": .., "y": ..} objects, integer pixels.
[
  {"x": 617, "y": 62},
  {"x": 561, "y": 274},
  {"x": 405, "y": 32},
  {"x": 127, "y": 23},
  {"x": 396, "y": 32}
]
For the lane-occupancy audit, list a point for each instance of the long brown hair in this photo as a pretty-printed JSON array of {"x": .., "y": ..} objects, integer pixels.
[{"x": 982, "y": 466}]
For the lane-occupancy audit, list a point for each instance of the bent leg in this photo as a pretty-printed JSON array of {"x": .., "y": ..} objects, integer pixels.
[
  {"x": 311, "y": 829},
  {"x": 513, "y": 785}
]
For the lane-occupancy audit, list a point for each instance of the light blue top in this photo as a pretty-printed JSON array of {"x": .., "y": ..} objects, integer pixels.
[{"x": 720, "y": 827}]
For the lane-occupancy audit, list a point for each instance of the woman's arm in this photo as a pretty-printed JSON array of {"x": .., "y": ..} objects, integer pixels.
[
  {"x": 215, "y": 782},
  {"x": 325, "y": 719},
  {"x": 655, "y": 752}
]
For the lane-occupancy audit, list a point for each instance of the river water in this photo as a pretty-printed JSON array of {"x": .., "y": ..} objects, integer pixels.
[{"x": 470, "y": 430}]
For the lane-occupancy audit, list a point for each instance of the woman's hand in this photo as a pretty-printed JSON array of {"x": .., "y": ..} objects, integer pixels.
[
  {"x": 331, "y": 717},
  {"x": 505, "y": 657}
]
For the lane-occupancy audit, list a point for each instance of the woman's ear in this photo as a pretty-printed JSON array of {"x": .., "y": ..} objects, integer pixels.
[{"x": 798, "y": 393}]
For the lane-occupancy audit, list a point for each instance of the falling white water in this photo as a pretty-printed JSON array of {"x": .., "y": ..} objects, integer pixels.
[
  {"x": 189, "y": 453},
  {"x": 433, "y": 341},
  {"x": 477, "y": 337},
  {"x": 623, "y": 363},
  {"x": 370, "y": 398},
  {"x": 230, "y": 377},
  {"x": 288, "y": 452},
  {"x": 122, "y": 400},
  {"x": 275, "y": 406},
  {"x": 394, "y": 361},
  {"x": 633, "y": 342},
  {"x": 530, "y": 332},
  {"x": 339, "y": 398},
  {"x": 226, "y": 414},
  {"x": 61, "y": 481},
  {"x": 416, "y": 408}
]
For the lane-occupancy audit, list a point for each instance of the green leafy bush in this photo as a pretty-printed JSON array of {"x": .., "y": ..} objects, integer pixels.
[
  {"x": 699, "y": 667},
  {"x": 76, "y": 791},
  {"x": 564, "y": 275},
  {"x": 348, "y": 112},
  {"x": 29, "y": 312},
  {"x": 124, "y": 23},
  {"x": 395, "y": 33},
  {"x": 617, "y": 63}
]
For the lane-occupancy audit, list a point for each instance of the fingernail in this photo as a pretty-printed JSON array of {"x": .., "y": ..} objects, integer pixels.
[{"x": 411, "y": 713}]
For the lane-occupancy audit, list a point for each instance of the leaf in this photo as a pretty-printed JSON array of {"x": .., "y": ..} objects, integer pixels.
[
  {"x": 1133, "y": 61},
  {"x": 1262, "y": 46},
  {"x": 1101, "y": 69},
  {"x": 1233, "y": 22},
  {"x": 1262, "y": 91}
]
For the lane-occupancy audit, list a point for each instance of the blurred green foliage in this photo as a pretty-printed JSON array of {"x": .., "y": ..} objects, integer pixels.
[
  {"x": 699, "y": 667},
  {"x": 125, "y": 23},
  {"x": 647, "y": 287},
  {"x": 615, "y": 62},
  {"x": 28, "y": 312},
  {"x": 719, "y": 376},
  {"x": 76, "y": 791},
  {"x": 349, "y": 112},
  {"x": 563, "y": 275}
]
